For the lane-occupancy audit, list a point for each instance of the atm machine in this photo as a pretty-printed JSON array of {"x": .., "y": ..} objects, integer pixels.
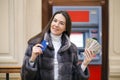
[{"x": 86, "y": 23}]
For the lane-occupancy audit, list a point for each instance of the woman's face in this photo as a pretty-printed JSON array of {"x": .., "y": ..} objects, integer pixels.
[{"x": 58, "y": 24}]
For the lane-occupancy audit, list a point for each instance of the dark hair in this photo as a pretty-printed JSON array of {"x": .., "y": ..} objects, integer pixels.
[{"x": 47, "y": 28}]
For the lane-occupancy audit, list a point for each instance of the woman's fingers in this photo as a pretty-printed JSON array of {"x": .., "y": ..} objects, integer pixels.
[
  {"x": 37, "y": 49},
  {"x": 88, "y": 56}
]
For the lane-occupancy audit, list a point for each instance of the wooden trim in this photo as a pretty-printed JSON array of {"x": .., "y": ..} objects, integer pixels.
[
  {"x": 75, "y": 2},
  {"x": 10, "y": 69},
  {"x": 46, "y": 12},
  {"x": 105, "y": 40}
]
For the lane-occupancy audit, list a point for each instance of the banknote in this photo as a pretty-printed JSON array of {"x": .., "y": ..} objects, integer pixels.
[{"x": 93, "y": 45}]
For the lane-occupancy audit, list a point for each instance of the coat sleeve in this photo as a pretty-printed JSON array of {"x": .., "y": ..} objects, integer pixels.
[
  {"x": 77, "y": 66},
  {"x": 28, "y": 71}
]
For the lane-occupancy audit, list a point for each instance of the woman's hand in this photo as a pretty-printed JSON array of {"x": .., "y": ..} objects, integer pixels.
[
  {"x": 88, "y": 57},
  {"x": 36, "y": 50}
]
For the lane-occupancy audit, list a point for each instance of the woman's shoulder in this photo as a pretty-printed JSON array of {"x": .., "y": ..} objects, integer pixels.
[{"x": 73, "y": 47}]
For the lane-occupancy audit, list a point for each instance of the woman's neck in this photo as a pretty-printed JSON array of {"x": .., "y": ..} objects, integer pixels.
[{"x": 56, "y": 37}]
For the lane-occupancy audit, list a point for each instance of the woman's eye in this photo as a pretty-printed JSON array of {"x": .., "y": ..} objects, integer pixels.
[
  {"x": 54, "y": 20},
  {"x": 62, "y": 23}
]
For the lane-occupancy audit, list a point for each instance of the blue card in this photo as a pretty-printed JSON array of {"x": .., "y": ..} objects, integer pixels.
[{"x": 44, "y": 44}]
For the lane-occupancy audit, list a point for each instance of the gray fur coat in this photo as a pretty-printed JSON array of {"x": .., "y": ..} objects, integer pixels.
[{"x": 43, "y": 68}]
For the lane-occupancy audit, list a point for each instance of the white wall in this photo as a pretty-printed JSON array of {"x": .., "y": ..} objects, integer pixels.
[
  {"x": 19, "y": 21},
  {"x": 114, "y": 39}
]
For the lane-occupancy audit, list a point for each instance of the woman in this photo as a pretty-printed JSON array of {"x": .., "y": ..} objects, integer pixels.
[{"x": 59, "y": 59}]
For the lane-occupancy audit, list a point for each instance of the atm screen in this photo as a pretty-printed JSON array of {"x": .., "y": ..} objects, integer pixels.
[{"x": 77, "y": 39}]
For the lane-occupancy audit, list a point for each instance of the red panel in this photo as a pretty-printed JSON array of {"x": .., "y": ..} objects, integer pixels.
[
  {"x": 79, "y": 16},
  {"x": 95, "y": 72}
]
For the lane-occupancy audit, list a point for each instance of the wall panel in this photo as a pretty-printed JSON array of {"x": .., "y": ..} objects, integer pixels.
[
  {"x": 8, "y": 33},
  {"x": 114, "y": 44},
  {"x": 19, "y": 21}
]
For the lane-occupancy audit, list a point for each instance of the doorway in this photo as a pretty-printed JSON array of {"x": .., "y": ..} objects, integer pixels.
[{"x": 47, "y": 9}]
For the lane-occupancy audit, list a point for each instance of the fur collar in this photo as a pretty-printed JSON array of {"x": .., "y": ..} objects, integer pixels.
[{"x": 64, "y": 45}]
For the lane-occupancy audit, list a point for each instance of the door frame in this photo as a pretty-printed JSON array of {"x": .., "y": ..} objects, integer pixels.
[{"x": 47, "y": 13}]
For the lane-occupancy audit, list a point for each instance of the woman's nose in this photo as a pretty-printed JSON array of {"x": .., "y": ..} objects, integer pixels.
[{"x": 57, "y": 24}]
